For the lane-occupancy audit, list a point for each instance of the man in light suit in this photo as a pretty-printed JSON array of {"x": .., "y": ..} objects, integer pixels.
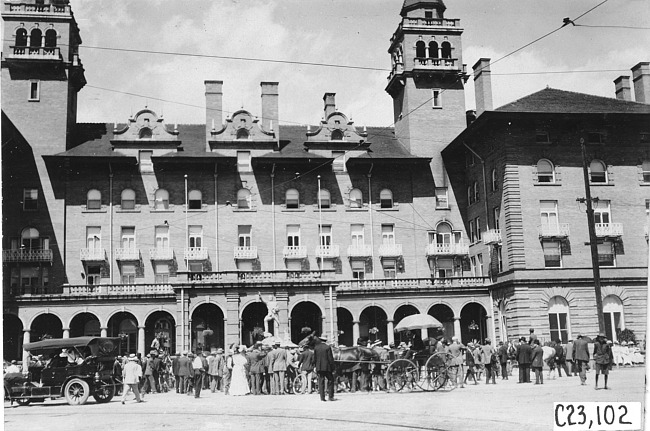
[
  {"x": 279, "y": 367},
  {"x": 581, "y": 357}
]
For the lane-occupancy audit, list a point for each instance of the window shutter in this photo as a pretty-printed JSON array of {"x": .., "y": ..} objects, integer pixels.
[
  {"x": 565, "y": 248},
  {"x": 610, "y": 174},
  {"x": 618, "y": 247}
]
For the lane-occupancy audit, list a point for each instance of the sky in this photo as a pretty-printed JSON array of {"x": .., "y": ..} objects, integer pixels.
[{"x": 342, "y": 32}]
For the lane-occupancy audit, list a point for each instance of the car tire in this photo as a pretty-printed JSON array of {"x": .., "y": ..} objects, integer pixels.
[
  {"x": 76, "y": 392},
  {"x": 104, "y": 392}
]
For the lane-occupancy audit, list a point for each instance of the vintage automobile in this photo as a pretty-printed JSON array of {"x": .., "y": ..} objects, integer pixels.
[{"x": 74, "y": 368}]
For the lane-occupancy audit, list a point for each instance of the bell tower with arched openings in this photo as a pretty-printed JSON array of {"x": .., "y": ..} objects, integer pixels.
[{"x": 427, "y": 80}]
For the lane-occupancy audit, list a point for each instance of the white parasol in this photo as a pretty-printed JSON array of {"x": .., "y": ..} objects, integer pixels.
[{"x": 417, "y": 321}]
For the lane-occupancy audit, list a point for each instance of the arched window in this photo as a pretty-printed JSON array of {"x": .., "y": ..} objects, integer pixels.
[
  {"x": 495, "y": 182},
  {"x": 324, "y": 198},
  {"x": 194, "y": 199},
  {"x": 613, "y": 313},
  {"x": 161, "y": 199},
  {"x": 443, "y": 234},
  {"x": 433, "y": 49},
  {"x": 145, "y": 133},
  {"x": 21, "y": 37},
  {"x": 128, "y": 199},
  {"x": 35, "y": 38},
  {"x": 356, "y": 198},
  {"x": 545, "y": 171},
  {"x": 446, "y": 50},
  {"x": 94, "y": 199},
  {"x": 30, "y": 239},
  {"x": 386, "y": 199},
  {"x": 477, "y": 194},
  {"x": 420, "y": 49},
  {"x": 50, "y": 38},
  {"x": 244, "y": 199},
  {"x": 242, "y": 134},
  {"x": 598, "y": 171},
  {"x": 337, "y": 135},
  {"x": 645, "y": 170},
  {"x": 292, "y": 198},
  {"x": 558, "y": 319}
]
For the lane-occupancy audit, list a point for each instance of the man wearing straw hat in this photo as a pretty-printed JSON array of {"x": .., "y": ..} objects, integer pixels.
[{"x": 131, "y": 374}]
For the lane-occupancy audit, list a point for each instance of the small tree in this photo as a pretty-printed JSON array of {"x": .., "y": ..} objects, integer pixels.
[
  {"x": 257, "y": 334},
  {"x": 625, "y": 335}
]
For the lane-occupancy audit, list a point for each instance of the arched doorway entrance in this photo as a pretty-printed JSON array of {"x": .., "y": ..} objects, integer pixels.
[
  {"x": 445, "y": 315},
  {"x": 125, "y": 326},
  {"x": 252, "y": 323},
  {"x": 400, "y": 313},
  {"x": 473, "y": 325},
  {"x": 161, "y": 325},
  {"x": 46, "y": 326},
  {"x": 344, "y": 322},
  {"x": 12, "y": 334},
  {"x": 85, "y": 325},
  {"x": 305, "y": 314},
  {"x": 207, "y": 328},
  {"x": 372, "y": 324}
]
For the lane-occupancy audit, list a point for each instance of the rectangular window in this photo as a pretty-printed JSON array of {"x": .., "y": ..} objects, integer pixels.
[
  {"x": 325, "y": 263},
  {"x": 542, "y": 137},
  {"x": 442, "y": 198},
  {"x": 602, "y": 213},
  {"x": 338, "y": 164},
  {"x": 34, "y": 90},
  {"x": 293, "y": 235},
  {"x": 128, "y": 273},
  {"x": 390, "y": 268},
  {"x": 595, "y": 138},
  {"x": 244, "y": 265},
  {"x": 244, "y": 161},
  {"x": 195, "y": 266},
  {"x": 294, "y": 265},
  {"x": 162, "y": 237},
  {"x": 499, "y": 259},
  {"x": 645, "y": 171},
  {"x": 558, "y": 325},
  {"x": 472, "y": 231},
  {"x": 356, "y": 235},
  {"x": 162, "y": 273},
  {"x": 436, "y": 101},
  {"x": 549, "y": 216},
  {"x": 128, "y": 237},
  {"x": 445, "y": 268},
  {"x": 358, "y": 269},
  {"x": 479, "y": 265},
  {"x": 326, "y": 235},
  {"x": 145, "y": 162},
  {"x": 94, "y": 237},
  {"x": 195, "y": 236},
  {"x": 15, "y": 277},
  {"x": 244, "y": 234},
  {"x": 552, "y": 254},
  {"x": 93, "y": 275},
  {"x": 496, "y": 214},
  {"x": 388, "y": 234},
  {"x": 30, "y": 199},
  {"x": 478, "y": 228},
  {"x": 606, "y": 256}
]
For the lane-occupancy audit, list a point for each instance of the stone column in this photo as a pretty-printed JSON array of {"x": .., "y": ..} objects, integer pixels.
[
  {"x": 232, "y": 334},
  {"x": 225, "y": 335},
  {"x": 355, "y": 332},
  {"x": 26, "y": 339},
  {"x": 390, "y": 329},
  {"x": 457, "y": 331},
  {"x": 489, "y": 323},
  {"x": 66, "y": 333},
  {"x": 141, "y": 348},
  {"x": 103, "y": 332}
]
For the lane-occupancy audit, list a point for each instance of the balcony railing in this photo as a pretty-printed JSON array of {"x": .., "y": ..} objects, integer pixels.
[
  {"x": 27, "y": 255},
  {"x": 294, "y": 252},
  {"x": 609, "y": 229},
  {"x": 432, "y": 22},
  {"x": 92, "y": 254},
  {"x": 36, "y": 8},
  {"x": 34, "y": 52},
  {"x": 492, "y": 236},
  {"x": 327, "y": 251},
  {"x": 117, "y": 289},
  {"x": 561, "y": 230},
  {"x": 228, "y": 277},
  {"x": 447, "y": 249},
  {"x": 196, "y": 253},
  {"x": 127, "y": 254},
  {"x": 164, "y": 253},
  {"x": 413, "y": 283},
  {"x": 435, "y": 63},
  {"x": 390, "y": 250},
  {"x": 246, "y": 252},
  {"x": 361, "y": 250}
]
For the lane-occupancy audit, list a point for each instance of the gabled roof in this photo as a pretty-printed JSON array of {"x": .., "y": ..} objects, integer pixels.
[{"x": 551, "y": 100}]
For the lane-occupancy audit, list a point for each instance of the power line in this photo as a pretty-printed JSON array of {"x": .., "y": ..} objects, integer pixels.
[{"x": 627, "y": 27}]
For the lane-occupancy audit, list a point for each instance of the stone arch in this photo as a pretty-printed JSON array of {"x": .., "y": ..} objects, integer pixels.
[
  {"x": 49, "y": 324},
  {"x": 402, "y": 311},
  {"x": 301, "y": 318},
  {"x": 373, "y": 316},
  {"x": 445, "y": 314},
  {"x": 207, "y": 316},
  {"x": 344, "y": 322},
  {"x": 564, "y": 292},
  {"x": 162, "y": 325},
  {"x": 619, "y": 291},
  {"x": 252, "y": 316},
  {"x": 125, "y": 325},
  {"x": 473, "y": 324},
  {"x": 84, "y": 324}
]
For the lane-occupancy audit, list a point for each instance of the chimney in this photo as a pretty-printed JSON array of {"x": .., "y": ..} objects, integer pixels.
[
  {"x": 269, "y": 106},
  {"x": 213, "y": 102},
  {"x": 641, "y": 79},
  {"x": 482, "y": 85},
  {"x": 330, "y": 105},
  {"x": 623, "y": 89}
]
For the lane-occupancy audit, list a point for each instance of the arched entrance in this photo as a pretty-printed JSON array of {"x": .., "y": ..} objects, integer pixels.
[
  {"x": 46, "y": 326},
  {"x": 400, "y": 313},
  {"x": 85, "y": 325},
  {"x": 161, "y": 325},
  {"x": 252, "y": 323},
  {"x": 373, "y": 319},
  {"x": 207, "y": 328},
  {"x": 125, "y": 326},
  {"x": 12, "y": 334},
  {"x": 344, "y": 322},
  {"x": 305, "y": 314},
  {"x": 473, "y": 325},
  {"x": 445, "y": 315}
]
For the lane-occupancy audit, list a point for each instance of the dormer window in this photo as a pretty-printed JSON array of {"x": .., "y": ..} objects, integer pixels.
[
  {"x": 337, "y": 135},
  {"x": 128, "y": 199},
  {"x": 292, "y": 199},
  {"x": 386, "y": 199},
  {"x": 94, "y": 200},
  {"x": 145, "y": 133},
  {"x": 195, "y": 201},
  {"x": 161, "y": 199},
  {"x": 428, "y": 14},
  {"x": 324, "y": 198},
  {"x": 242, "y": 134}
]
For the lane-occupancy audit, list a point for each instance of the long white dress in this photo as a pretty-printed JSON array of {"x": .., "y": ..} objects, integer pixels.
[{"x": 238, "y": 382}]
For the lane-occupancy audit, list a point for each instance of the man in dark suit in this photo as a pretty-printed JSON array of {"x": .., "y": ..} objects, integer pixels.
[
  {"x": 524, "y": 358},
  {"x": 324, "y": 366},
  {"x": 177, "y": 377},
  {"x": 257, "y": 368},
  {"x": 184, "y": 371},
  {"x": 581, "y": 357}
]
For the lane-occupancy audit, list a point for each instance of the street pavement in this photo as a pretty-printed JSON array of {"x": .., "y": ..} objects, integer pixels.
[{"x": 504, "y": 406}]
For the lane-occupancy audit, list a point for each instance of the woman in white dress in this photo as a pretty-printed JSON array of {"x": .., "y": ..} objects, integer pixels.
[{"x": 239, "y": 382}]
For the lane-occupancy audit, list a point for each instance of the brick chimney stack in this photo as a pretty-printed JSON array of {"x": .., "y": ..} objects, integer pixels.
[
  {"x": 270, "y": 110},
  {"x": 482, "y": 85},
  {"x": 623, "y": 89},
  {"x": 330, "y": 104},
  {"x": 213, "y": 106},
  {"x": 641, "y": 79}
]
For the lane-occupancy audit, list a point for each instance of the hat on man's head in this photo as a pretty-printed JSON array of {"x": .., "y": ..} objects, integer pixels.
[
  {"x": 487, "y": 340},
  {"x": 454, "y": 338},
  {"x": 579, "y": 335},
  {"x": 219, "y": 350},
  {"x": 323, "y": 337},
  {"x": 184, "y": 352},
  {"x": 132, "y": 357}
]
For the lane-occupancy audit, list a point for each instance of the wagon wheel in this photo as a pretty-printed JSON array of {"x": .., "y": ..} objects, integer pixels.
[
  {"x": 435, "y": 372},
  {"x": 401, "y": 373},
  {"x": 453, "y": 369},
  {"x": 297, "y": 384},
  {"x": 104, "y": 392},
  {"x": 76, "y": 392},
  {"x": 23, "y": 401}
]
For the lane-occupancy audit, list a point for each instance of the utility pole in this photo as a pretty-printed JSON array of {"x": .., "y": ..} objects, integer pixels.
[{"x": 593, "y": 240}]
